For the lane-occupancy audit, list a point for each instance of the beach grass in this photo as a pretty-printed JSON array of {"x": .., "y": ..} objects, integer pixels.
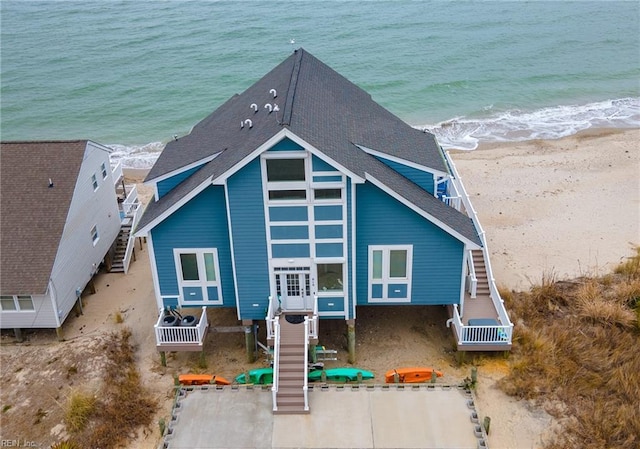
[{"x": 576, "y": 353}]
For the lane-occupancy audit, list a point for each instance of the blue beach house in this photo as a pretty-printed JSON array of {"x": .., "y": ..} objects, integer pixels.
[{"x": 301, "y": 199}]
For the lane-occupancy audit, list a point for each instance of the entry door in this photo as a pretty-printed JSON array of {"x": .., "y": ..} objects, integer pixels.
[{"x": 293, "y": 288}]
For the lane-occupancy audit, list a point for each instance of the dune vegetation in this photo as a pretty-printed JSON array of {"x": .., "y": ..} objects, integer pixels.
[{"x": 577, "y": 352}]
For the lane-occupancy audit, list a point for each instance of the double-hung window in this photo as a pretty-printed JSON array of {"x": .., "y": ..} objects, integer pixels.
[
  {"x": 16, "y": 303},
  {"x": 198, "y": 276},
  {"x": 390, "y": 269},
  {"x": 103, "y": 169},
  {"x": 94, "y": 182}
]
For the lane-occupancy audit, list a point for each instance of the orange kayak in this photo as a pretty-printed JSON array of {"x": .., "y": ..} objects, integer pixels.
[
  {"x": 411, "y": 375},
  {"x": 202, "y": 379}
]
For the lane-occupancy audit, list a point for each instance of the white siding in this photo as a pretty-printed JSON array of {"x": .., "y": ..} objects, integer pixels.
[
  {"x": 78, "y": 258},
  {"x": 42, "y": 316}
]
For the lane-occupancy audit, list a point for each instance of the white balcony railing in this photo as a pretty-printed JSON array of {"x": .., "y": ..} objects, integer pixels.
[
  {"x": 305, "y": 385},
  {"x": 171, "y": 335},
  {"x": 276, "y": 362},
  {"x": 499, "y": 334},
  {"x": 116, "y": 172}
]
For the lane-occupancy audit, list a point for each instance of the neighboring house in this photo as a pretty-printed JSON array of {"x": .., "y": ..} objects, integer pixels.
[
  {"x": 303, "y": 196},
  {"x": 60, "y": 217}
]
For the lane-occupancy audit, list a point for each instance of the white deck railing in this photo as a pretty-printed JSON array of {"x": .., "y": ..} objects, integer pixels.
[
  {"x": 305, "y": 385},
  {"x": 181, "y": 334},
  {"x": 276, "y": 362},
  {"x": 471, "y": 212},
  {"x": 116, "y": 172},
  {"x": 131, "y": 210},
  {"x": 500, "y": 334},
  {"x": 472, "y": 279}
]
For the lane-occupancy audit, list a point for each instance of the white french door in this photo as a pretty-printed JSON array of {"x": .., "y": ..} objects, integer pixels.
[{"x": 293, "y": 287}]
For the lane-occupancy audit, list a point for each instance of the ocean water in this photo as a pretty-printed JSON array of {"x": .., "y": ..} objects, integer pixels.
[{"x": 131, "y": 74}]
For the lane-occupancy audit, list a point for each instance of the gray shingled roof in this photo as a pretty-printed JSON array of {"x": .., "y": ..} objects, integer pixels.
[
  {"x": 33, "y": 215},
  {"x": 326, "y": 110}
]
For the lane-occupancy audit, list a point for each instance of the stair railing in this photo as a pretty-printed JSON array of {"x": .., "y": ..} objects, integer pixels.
[
  {"x": 471, "y": 212},
  {"x": 305, "y": 385},
  {"x": 276, "y": 362}
]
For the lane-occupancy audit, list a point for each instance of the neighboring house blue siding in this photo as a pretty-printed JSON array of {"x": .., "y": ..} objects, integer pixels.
[
  {"x": 167, "y": 185},
  {"x": 249, "y": 240},
  {"x": 422, "y": 178},
  {"x": 201, "y": 223},
  {"x": 437, "y": 256}
]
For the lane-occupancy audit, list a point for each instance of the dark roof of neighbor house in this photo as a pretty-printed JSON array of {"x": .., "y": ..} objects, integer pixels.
[
  {"x": 326, "y": 110},
  {"x": 33, "y": 215}
]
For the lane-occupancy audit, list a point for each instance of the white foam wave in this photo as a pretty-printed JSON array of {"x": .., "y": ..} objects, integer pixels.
[
  {"x": 547, "y": 123},
  {"x": 136, "y": 156}
]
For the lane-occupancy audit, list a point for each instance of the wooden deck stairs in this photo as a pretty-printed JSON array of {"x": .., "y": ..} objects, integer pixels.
[
  {"x": 117, "y": 264},
  {"x": 481, "y": 273},
  {"x": 293, "y": 359}
]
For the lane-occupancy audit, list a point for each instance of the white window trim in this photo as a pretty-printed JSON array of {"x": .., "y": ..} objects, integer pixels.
[
  {"x": 202, "y": 282},
  {"x": 103, "y": 170},
  {"x": 326, "y": 261},
  {"x": 386, "y": 278},
  {"x": 94, "y": 182},
  {"x": 96, "y": 239},
  {"x": 17, "y": 304}
]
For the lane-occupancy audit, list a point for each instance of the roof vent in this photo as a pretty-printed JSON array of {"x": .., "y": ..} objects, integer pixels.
[
  {"x": 50, "y": 183},
  {"x": 254, "y": 107},
  {"x": 247, "y": 122},
  {"x": 269, "y": 107},
  {"x": 273, "y": 92}
]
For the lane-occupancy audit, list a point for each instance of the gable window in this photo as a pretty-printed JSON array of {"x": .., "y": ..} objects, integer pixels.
[
  {"x": 197, "y": 272},
  {"x": 103, "y": 168},
  {"x": 94, "y": 182},
  {"x": 286, "y": 179},
  {"x": 285, "y": 170},
  {"x": 390, "y": 273},
  {"x": 16, "y": 302},
  {"x": 94, "y": 235},
  {"x": 327, "y": 194}
]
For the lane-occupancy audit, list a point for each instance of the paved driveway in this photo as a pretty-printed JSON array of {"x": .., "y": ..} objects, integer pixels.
[{"x": 421, "y": 416}]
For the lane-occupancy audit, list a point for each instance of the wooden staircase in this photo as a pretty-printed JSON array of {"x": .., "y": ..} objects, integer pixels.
[
  {"x": 480, "y": 268},
  {"x": 117, "y": 264},
  {"x": 293, "y": 359}
]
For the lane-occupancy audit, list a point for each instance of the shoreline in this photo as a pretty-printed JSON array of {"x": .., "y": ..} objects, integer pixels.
[{"x": 559, "y": 208}]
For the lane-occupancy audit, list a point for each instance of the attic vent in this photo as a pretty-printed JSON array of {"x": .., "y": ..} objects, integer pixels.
[
  {"x": 254, "y": 107},
  {"x": 273, "y": 92}
]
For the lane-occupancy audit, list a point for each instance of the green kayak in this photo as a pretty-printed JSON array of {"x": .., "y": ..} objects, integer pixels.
[
  {"x": 261, "y": 376},
  {"x": 340, "y": 374}
]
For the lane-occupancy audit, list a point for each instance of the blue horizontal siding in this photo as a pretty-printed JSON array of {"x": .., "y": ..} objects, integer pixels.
[
  {"x": 289, "y": 232},
  {"x": 286, "y": 251},
  {"x": 422, "y": 178},
  {"x": 249, "y": 240},
  {"x": 329, "y": 250},
  {"x": 168, "y": 184},
  {"x": 201, "y": 223},
  {"x": 318, "y": 164},
  {"x": 286, "y": 145},
  {"x": 284, "y": 213},
  {"x": 437, "y": 256},
  {"x": 324, "y": 213},
  {"x": 328, "y": 231}
]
